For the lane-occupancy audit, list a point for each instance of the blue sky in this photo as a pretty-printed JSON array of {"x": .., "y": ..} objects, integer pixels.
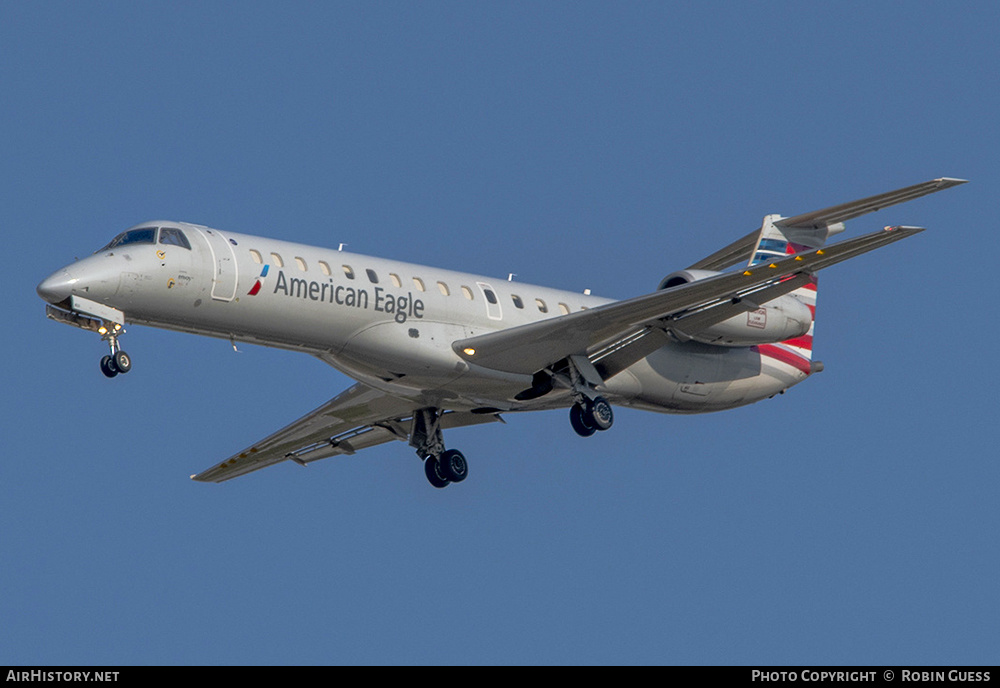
[{"x": 578, "y": 145}]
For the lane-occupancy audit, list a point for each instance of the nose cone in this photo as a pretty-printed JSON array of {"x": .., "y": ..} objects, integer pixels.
[{"x": 57, "y": 287}]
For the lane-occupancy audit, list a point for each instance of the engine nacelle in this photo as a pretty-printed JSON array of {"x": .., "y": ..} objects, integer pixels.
[
  {"x": 676, "y": 279},
  {"x": 777, "y": 320}
]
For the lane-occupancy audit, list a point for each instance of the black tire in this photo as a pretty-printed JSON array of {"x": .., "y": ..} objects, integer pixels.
[
  {"x": 599, "y": 413},
  {"x": 453, "y": 466},
  {"x": 578, "y": 418},
  {"x": 108, "y": 367},
  {"x": 123, "y": 362},
  {"x": 433, "y": 472}
]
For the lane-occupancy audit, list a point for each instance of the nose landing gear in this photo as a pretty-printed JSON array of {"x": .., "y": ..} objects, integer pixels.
[
  {"x": 118, "y": 361},
  {"x": 96, "y": 317}
]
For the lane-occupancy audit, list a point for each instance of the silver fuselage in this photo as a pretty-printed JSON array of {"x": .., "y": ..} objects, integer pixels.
[{"x": 387, "y": 323}]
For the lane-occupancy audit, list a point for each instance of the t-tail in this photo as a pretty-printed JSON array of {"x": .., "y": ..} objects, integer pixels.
[
  {"x": 774, "y": 243},
  {"x": 780, "y": 237}
]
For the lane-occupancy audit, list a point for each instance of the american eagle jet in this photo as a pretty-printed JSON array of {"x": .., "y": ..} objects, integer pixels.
[{"x": 436, "y": 349}]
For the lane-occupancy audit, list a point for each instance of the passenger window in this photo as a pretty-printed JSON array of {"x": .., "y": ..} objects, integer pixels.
[
  {"x": 517, "y": 300},
  {"x": 348, "y": 271},
  {"x": 174, "y": 237},
  {"x": 256, "y": 257},
  {"x": 466, "y": 292},
  {"x": 396, "y": 282},
  {"x": 443, "y": 288},
  {"x": 490, "y": 296},
  {"x": 564, "y": 309},
  {"x": 277, "y": 260},
  {"x": 372, "y": 277},
  {"x": 301, "y": 263},
  {"x": 418, "y": 283},
  {"x": 324, "y": 267},
  {"x": 541, "y": 306}
]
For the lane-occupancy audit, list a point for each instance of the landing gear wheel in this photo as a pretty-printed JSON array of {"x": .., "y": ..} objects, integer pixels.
[
  {"x": 108, "y": 367},
  {"x": 123, "y": 362},
  {"x": 581, "y": 422},
  {"x": 434, "y": 474},
  {"x": 599, "y": 413},
  {"x": 453, "y": 466}
]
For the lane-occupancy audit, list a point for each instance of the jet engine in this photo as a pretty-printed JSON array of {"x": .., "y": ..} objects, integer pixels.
[
  {"x": 676, "y": 279},
  {"x": 753, "y": 323}
]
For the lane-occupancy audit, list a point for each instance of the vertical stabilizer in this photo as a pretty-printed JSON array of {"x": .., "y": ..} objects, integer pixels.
[{"x": 777, "y": 241}]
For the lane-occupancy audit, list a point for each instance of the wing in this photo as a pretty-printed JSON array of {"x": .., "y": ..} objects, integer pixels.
[
  {"x": 740, "y": 250},
  {"x": 357, "y": 418},
  {"x": 618, "y": 328}
]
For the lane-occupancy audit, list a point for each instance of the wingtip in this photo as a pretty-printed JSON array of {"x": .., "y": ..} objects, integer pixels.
[{"x": 951, "y": 181}]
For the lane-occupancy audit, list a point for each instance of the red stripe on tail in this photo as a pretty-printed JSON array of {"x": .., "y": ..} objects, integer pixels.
[{"x": 785, "y": 356}]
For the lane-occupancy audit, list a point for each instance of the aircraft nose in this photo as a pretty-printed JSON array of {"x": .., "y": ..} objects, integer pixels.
[{"x": 57, "y": 287}]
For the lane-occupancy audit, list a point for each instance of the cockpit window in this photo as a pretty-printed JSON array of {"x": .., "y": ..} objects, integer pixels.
[
  {"x": 146, "y": 235},
  {"x": 174, "y": 237}
]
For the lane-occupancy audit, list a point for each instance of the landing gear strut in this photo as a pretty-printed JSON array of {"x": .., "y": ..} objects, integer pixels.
[
  {"x": 590, "y": 412},
  {"x": 118, "y": 361},
  {"x": 441, "y": 466}
]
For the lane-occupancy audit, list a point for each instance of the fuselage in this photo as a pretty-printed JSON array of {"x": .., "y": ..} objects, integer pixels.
[{"x": 387, "y": 323}]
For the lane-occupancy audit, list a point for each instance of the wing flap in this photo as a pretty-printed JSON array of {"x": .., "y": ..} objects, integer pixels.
[
  {"x": 356, "y": 407},
  {"x": 357, "y": 418},
  {"x": 533, "y": 347}
]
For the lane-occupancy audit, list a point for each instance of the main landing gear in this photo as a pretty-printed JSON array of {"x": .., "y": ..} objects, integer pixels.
[
  {"x": 590, "y": 412},
  {"x": 587, "y": 416},
  {"x": 446, "y": 466},
  {"x": 449, "y": 467},
  {"x": 441, "y": 466},
  {"x": 118, "y": 361}
]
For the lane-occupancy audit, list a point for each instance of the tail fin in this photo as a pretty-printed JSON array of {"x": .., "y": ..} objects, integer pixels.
[
  {"x": 785, "y": 236},
  {"x": 773, "y": 244}
]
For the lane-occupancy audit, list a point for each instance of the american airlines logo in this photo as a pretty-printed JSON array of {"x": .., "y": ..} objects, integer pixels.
[{"x": 259, "y": 283}]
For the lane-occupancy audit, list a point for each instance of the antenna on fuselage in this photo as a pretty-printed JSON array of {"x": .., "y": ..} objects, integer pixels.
[{"x": 341, "y": 247}]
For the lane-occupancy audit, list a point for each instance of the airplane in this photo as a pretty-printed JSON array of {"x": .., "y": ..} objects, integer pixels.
[{"x": 432, "y": 350}]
